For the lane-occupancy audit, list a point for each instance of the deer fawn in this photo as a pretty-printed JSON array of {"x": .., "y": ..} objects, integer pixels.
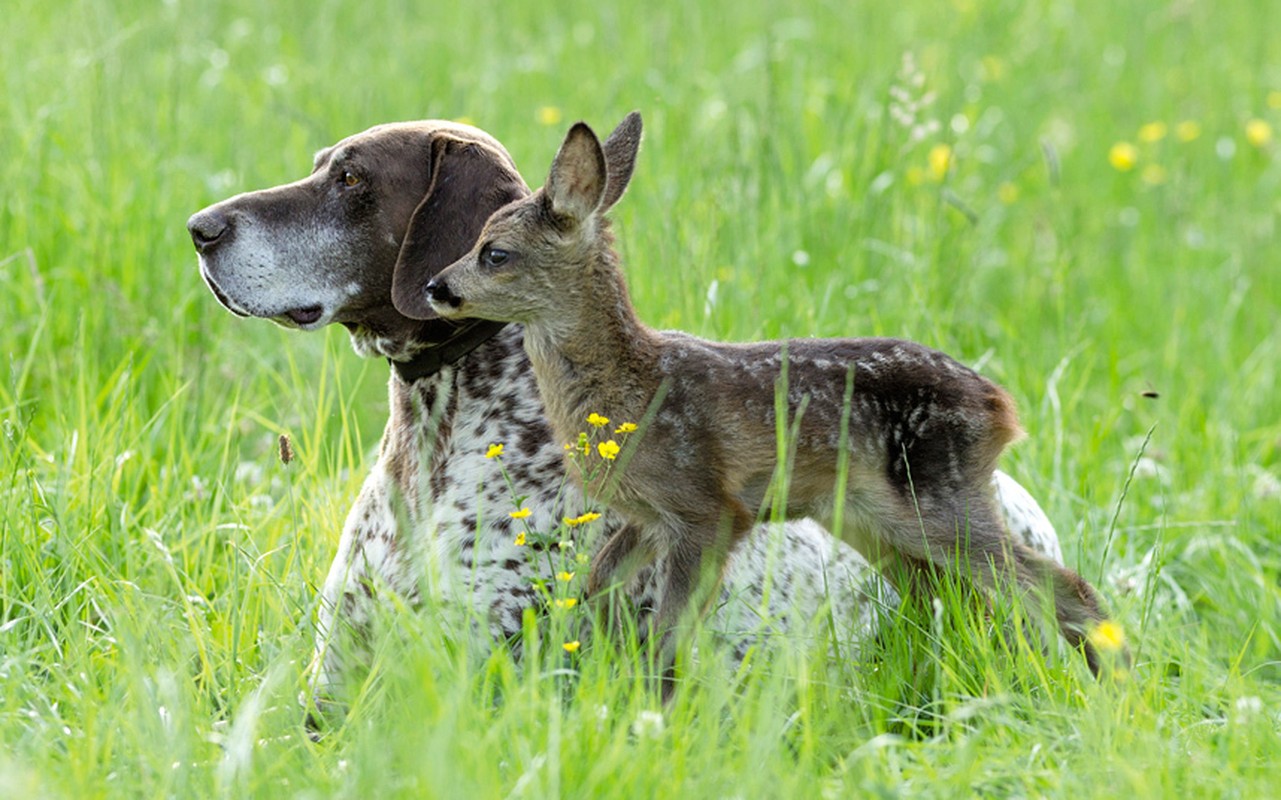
[{"x": 918, "y": 433}]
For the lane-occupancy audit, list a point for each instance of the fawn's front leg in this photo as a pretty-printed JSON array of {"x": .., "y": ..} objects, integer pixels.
[
  {"x": 618, "y": 559},
  {"x": 697, "y": 551}
]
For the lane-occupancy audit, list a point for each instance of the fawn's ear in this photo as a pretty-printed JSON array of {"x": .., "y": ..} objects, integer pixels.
[
  {"x": 578, "y": 176},
  {"x": 469, "y": 182},
  {"x": 620, "y": 158}
]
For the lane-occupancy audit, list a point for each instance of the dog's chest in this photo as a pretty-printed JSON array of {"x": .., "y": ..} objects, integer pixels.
[{"x": 460, "y": 493}]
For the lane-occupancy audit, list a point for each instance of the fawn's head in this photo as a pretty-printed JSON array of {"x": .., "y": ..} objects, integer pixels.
[{"x": 535, "y": 256}]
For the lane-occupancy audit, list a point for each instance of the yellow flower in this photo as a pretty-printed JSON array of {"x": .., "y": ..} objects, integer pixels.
[
  {"x": 567, "y": 602},
  {"x": 549, "y": 115},
  {"x": 1258, "y": 132},
  {"x": 626, "y": 427},
  {"x": 1153, "y": 174},
  {"x": 940, "y": 158},
  {"x": 1152, "y": 132},
  {"x": 581, "y": 519},
  {"x": 608, "y": 450},
  {"x": 571, "y": 647},
  {"x": 583, "y": 446},
  {"x": 1187, "y": 130},
  {"x": 519, "y": 513},
  {"x": 582, "y": 558},
  {"x": 494, "y": 451},
  {"x": 596, "y": 420},
  {"x": 1107, "y": 636},
  {"x": 520, "y": 539},
  {"x": 565, "y": 577},
  {"x": 1123, "y": 156},
  {"x": 1007, "y": 193}
]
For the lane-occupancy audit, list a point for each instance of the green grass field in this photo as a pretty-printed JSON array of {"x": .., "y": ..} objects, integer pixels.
[{"x": 1085, "y": 197}]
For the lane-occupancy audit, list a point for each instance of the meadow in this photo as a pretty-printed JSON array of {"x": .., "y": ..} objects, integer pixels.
[{"x": 1082, "y": 197}]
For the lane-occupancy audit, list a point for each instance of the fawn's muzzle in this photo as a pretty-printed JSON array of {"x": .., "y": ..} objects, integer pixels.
[{"x": 439, "y": 294}]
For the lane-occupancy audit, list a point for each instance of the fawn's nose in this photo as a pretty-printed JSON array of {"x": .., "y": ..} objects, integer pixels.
[
  {"x": 439, "y": 293},
  {"x": 207, "y": 228}
]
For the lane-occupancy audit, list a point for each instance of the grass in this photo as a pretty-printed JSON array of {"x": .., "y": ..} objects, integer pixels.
[{"x": 158, "y": 565}]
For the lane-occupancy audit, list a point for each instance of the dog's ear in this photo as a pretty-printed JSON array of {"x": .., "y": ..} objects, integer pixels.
[
  {"x": 469, "y": 182},
  {"x": 577, "y": 179},
  {"x": 620, "y": 158}
]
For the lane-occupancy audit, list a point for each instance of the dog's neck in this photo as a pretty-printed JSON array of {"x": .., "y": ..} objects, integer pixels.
[
  {"x": 419, "y": 350},
  {"x": 455, "y": 344}
]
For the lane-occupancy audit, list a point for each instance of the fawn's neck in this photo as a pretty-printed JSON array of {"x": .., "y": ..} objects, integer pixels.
[{"x": 596, "y": 355}]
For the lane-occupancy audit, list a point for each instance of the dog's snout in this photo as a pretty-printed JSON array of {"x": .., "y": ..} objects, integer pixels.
[
  {"x": 439, "y": 293},
  {"x": 207, "y": 228}
]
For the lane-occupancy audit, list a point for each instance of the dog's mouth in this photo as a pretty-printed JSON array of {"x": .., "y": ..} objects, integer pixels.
[
  {"x": 307, "y": 318},
  {"x": 303, "y": 317},
  {"x": 221, "y": 296}
]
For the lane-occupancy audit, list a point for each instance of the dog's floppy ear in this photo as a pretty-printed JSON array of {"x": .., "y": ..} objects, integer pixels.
[
  {"x": 469, "y": 182},
  {"x": 620, "y": 158}
]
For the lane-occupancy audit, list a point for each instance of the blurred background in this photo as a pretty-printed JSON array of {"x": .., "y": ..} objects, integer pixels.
[{"x": 1080, "y": 197}]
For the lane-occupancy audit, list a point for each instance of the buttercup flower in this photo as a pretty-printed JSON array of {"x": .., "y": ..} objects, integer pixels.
[
  {"x": 1107, "y": 636},
  {"x": 520, "y": 539},
  {"x": 564, "y": 577},
  {"x": 626, "y": 427},
  {"x": 940, "y": 158},
  {"x": 581, "y": 519},
  {"x": 608, "y": 450},
  {"x": 520, "y": 513},
  {"x": 1258, "y": 132},
  {"x": 494, "y": 451},
  {"x": 571, "y": 647},
  {"x": 596, "y": 420},
  {"x": 1123, "y": 156},
  {"x": 549, "y": 115},
  {"x": 566, "y": 602}
]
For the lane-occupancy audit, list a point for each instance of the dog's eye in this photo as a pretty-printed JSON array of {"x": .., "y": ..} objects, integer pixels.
[
  {"x": 350, "y": 179},
  {"x": 493, "y": 257}
]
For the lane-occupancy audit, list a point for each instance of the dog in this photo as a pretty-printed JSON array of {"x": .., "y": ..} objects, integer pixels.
[{"x": 431, "y": 520}]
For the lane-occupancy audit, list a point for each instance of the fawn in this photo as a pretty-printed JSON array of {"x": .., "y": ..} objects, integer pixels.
[{"x": 918, "y": 433}]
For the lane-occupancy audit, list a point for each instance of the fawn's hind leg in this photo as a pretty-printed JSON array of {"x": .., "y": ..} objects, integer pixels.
[
  {"x": 971, "y": 537},
  {"x": 1077, "y": 608}
]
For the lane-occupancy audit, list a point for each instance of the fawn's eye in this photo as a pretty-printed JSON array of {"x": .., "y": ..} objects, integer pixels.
[
  {"x": 350, "y": 179},
  {"x": 494, "y": 257}
]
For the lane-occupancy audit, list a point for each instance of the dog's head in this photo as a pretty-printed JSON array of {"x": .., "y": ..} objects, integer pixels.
[
  {"x": 537, "y": 253},
  {"x": 326, "y": 248}
]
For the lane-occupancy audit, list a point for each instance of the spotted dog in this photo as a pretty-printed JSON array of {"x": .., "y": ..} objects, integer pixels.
[{"x": 431, "y": 523}]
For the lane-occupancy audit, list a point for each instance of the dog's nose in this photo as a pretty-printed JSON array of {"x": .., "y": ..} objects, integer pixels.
[
  {"x": 207, "y": 227},
  {"x": 439, "y": 293}
]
